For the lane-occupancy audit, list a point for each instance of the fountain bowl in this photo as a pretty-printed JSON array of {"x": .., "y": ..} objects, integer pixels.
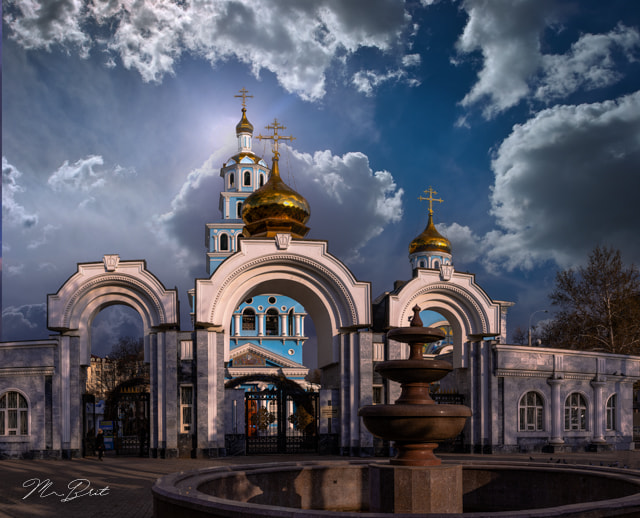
[
  {"x": 414, "y": 371},
  {"x": 425, "y": 423}
]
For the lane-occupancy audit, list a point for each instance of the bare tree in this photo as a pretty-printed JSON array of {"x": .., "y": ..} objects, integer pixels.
[
  {"x": 599, "y": 305},
  {"x": 519, "y": 336}
]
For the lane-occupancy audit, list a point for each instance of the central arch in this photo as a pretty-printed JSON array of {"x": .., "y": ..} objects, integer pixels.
[
  {"x": 338, "y": 304},
  {"x": 305, "y": 271}
]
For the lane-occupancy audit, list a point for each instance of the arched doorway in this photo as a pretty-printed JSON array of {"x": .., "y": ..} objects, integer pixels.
[
  {"x": 71, "y": 311},
  {"x": 338, "y": 304}
]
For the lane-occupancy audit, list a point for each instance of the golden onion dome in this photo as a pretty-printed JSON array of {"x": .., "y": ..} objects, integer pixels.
[
  {"x": 275, "y": 208},
  {"x": 430, "y": 240},
  {"x": 244, "y": 126}
]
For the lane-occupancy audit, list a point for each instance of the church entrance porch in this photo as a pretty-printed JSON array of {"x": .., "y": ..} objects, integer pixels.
[{"x": 278, "y": 421}]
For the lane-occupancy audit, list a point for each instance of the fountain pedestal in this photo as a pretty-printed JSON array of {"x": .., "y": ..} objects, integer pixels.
[
  {"x": 415, "y": 481},
  {"x": 415, "y": 489}
]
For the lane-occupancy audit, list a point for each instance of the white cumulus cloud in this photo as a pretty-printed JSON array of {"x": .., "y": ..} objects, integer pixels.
[
  {"x": 12, "y": 211},
  {"x": 297, "y": 41}
]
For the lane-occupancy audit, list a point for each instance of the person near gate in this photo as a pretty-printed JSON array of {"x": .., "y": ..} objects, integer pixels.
[{"x": 100, "y": 443}]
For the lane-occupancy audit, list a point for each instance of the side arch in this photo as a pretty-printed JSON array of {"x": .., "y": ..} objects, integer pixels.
[{"x": 96, "y": 286}]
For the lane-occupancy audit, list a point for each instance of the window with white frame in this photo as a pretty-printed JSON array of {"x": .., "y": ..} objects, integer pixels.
[
  {"x": 611, "y": 412},
  {"x": 14, "y": 414},
  {"x": 247, "y": 178},
  {"x": 186, "y": 350},
  {"x": 186, "y": 408},
  {"x": 378, "y": 352},
  {"x": 249, "y": 320},
  {"x": 575, "y": 412},
  {"x": 531, "y": 413}
]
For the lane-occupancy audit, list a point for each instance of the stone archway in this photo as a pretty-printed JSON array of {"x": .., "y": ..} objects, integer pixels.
[
  {"x": 466, "y": 306},
  {"x": 71, "y": 311},
  {"x": 339, "y": 305}
]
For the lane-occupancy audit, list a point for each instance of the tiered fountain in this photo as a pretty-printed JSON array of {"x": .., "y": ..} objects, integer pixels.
[{"x": 415, "y": 481}]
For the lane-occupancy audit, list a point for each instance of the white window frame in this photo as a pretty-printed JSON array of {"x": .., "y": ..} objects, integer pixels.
[
  {"x": 612, "y": 413},
  {"x": 186, "y": 349},
  {"x": 531, "y": 413},
  {"x": 5, "y": 431},
  {"x": 576, "y": 413}
]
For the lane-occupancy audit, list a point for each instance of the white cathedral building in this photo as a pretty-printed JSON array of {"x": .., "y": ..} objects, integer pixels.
[{"x": 215, "y": 390}]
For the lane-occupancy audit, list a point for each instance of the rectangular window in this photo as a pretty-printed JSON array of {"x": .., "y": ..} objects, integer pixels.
[
  {"x": 186, "y": 408},
  {"x": 377, "y": 395},
  {"x": 378, "y": 352},
  {"x": 186, "y": 350}
]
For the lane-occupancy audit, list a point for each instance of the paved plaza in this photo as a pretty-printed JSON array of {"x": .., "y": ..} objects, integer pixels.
[{"x": 25, "y": 490}]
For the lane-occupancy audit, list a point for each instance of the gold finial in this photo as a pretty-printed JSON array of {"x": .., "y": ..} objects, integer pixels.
[
  {"x": 244, "y": 96},
  {"x": 275, "y": 137},
  {"x": 430, "y": 199}
]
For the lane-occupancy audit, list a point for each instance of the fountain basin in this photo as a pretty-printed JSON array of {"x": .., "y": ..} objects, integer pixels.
[
  {"x": 418, "y": 335},
  {"x": 316, "y": 489},
  {"x": 424, "y": 423}
]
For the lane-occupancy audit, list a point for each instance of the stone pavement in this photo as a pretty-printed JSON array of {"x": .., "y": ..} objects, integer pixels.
[{"x": 129, "y": 480}]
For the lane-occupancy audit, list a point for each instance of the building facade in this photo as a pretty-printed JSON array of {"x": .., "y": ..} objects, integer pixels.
[{"x": 248, "y": 332}]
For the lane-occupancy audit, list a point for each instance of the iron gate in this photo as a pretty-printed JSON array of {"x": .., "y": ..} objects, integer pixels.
[{"x": 281, "y": 422}]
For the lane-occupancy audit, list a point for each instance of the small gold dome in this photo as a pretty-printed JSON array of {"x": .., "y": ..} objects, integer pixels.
[
  {"x": 244, "y": 126},
  {"x": 275, "y": 208},
  {"x": 430, "y": 241}
]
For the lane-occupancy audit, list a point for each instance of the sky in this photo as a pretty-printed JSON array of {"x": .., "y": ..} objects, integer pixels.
[{"x": 523, "y": 115}]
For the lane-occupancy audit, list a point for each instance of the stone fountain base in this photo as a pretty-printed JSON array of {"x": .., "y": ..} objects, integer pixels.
[
  {"x": 415, "y": 489},
  {"x": 341, "y": 489}
]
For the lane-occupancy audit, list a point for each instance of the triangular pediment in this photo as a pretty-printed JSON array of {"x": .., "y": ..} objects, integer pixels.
[{"x": 252, "y": 355}]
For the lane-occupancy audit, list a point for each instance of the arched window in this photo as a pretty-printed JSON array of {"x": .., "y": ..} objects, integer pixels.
[
  {"x": 247, "y": 178},
  {"x": 575, "y": 412},
  {"x": 272, "y": 322},
  {"x": 292, "y": 323},
  {"x": 232, "y": 180},
  {"x": 14, "y": 414},
  {"x": 249, "y": 320},
  {"x": 422, "y": 263},
  {"x": 611, "y": 412},
  {"x": 261, "y": 180},
  {"x": 224, "y": 242},
  {"x": 239, "y": 209},
  {"x": 531, "y": 413},
  {"x": 436, "y": 264}
]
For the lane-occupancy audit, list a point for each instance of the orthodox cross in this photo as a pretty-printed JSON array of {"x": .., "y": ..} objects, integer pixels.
[
  {"x": 430, "y": 199},
  {"x": 244, "y": 96},
  {"x": 275, "y": 137}
]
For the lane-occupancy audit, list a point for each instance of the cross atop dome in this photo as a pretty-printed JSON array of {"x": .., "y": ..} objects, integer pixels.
[
  {"x": 275, "y": 137},
  {"x": 243, "y": 93},
  {"x": 430, "y": 199}
]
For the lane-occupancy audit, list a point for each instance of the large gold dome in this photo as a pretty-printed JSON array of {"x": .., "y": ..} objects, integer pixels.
[
  {"x": 430, "y": 240},
  {"x": 275, "y": 208}
]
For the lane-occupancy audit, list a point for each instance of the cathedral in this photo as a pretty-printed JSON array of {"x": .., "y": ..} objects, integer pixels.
[{"x": 236, "y": 383}]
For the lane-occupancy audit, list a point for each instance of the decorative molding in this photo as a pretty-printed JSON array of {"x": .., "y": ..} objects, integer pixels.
[
  {"x": 448, "y": 288},
  {"x": 446, "y": 272},
  {"x": 109, "y": 279},
  {"x": 283, "y": 241},
  {"x": 27, "y": 371},
  {"x": 111, "y": 262},
  {"x": 289, "y": 259}
]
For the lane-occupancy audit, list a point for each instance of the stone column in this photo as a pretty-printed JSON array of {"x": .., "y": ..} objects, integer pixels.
[
  {"x": 557, "y": 411},
  {"x": 298, "y": 326},
  {"x": 354, "y": 393},
  {"x": 345, "y": 408},
  {"x": 162, "y": 394},
  {"x": 284, "y": 322},
  {"x": 260, "y": 324},
  {"x": 65, "y": 394},
  {"x": 237, "y": 324},
  {"x": 153, "y": 396},
  {"x": 365, "y": 353},
  {"x": 598, "y": 411}
]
